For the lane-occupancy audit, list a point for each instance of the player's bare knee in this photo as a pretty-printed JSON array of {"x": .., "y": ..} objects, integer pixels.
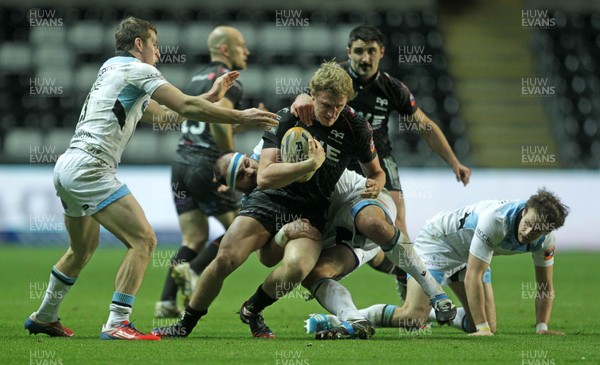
[
  {"x": 226, "y": 262},
  {"x": 295, "y": 273},
  {"x": 148, "y": 242},
  {"x": 373, "y": 227}
]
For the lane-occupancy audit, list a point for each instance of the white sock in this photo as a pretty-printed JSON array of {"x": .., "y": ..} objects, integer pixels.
[
  {"x": 379, "y": 314},
  {"x": 403, "y": 255},
  {"x": 334, "y": 297},
  {"x": 117, "y": 315},
  {"x": 58, "y": 287}
]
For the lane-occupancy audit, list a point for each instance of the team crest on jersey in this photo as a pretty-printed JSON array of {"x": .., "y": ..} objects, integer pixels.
[
  {"x": 336, "y": 134},
  {"x": 381, "y": 101},
  {"x": 145, "y": 105},
  {"x": 381, "y": 104},
  {"x": 549, "y": 253}
]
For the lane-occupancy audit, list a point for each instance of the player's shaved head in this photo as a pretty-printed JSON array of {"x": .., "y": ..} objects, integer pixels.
[
  {"x": 226, "y": 44},
  {"x": 221, "y": 35}
]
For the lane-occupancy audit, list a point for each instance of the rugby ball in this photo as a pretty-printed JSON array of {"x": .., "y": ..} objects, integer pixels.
[{"x": 294, "y": 148}]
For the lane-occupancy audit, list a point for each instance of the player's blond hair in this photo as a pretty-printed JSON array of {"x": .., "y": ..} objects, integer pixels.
[{"x": 332, "y": 78}]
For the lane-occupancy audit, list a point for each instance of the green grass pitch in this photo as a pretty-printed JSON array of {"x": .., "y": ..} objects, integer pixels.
[{"x": 221, "y": 338}]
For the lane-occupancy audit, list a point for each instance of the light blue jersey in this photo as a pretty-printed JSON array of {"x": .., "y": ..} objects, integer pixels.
[
  {"x": 114, "y": 106},
  {"x": 483, "y": 229}
]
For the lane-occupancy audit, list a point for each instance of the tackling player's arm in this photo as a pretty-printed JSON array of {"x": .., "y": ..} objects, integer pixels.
[
  {"x": 475, "y": 295},
  {"x": 438, "y": 143},
  {"x": 223, "y": 133},
  {"x": 160, "y": 114},
  {"x": 544, "y": 299},
  {"x": 197, "y": 108},
  {"x": 273, "y": 174},
  {"x": 375, "y": 179}
]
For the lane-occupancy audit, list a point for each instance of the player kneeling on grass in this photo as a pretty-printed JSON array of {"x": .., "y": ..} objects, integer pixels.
[
  {"x": 457, "y": 248},
  {"x": 85, "y": 175}
]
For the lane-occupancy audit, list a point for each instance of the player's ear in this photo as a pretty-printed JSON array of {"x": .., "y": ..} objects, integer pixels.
[
  {"x": 382, "y": 51},
  {"x": 224, "y": 50},
  {"x": 138, "y": 44},
  {"x": 348, "y": 51}
]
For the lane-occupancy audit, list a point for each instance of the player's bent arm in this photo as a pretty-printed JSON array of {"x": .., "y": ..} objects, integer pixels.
[
  {"x": 544, "y": 298},
  {"x": 475, "y": 293},
  {"x": 196, "y": 108},
  {"x": 274, "y": 175},
  {"x": 223, "y": 133},
  {"x": 438, "y": 143},
  {"x": 303, "y": 107}
]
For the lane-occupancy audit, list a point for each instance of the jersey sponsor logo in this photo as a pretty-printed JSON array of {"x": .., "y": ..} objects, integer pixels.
[
  {"x": 372, "y": 145},
  {"x": 155, "y": 75},
  {"x": 483, "y": 236},
  {"x": 413, "y": 103},
  {"x": 549, "y": 253}
]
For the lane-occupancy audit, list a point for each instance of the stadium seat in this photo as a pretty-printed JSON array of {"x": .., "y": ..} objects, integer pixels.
[
  {"x": 253, "y": 80},
  {"x": 315, "y": 39},
  {"x": 85, "y": 76},
  {"x": 87, "y": 36},
  {"x": 20, "y": 142},
  {"x": 15, "y": 57},
  {"x": 59, "y": 137},
  {"x": 194, "y": 37},
  {"x": 168, "y": 35},
  {"x": 276, "y": 40},
  {"x": 47, "y": 36}
]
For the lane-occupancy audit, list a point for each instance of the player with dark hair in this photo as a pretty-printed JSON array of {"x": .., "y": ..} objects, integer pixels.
[
  {"x": 457, "y": 247},
  {"x": 377, "y": 95},
  {"x": 195, "y": 194},
  {"x": 128, "y": 89}
]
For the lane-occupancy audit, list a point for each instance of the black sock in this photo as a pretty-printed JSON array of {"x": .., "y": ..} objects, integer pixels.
[
  {"x": 184, "y": 254},
  {"x": 259, "y": 301},
  {"x": 200, "y": 262},
  {"x": 191, "y": 317}
]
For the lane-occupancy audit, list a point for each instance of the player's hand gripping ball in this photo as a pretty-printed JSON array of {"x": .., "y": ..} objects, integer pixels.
[{"x": 294, "y": 148}]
